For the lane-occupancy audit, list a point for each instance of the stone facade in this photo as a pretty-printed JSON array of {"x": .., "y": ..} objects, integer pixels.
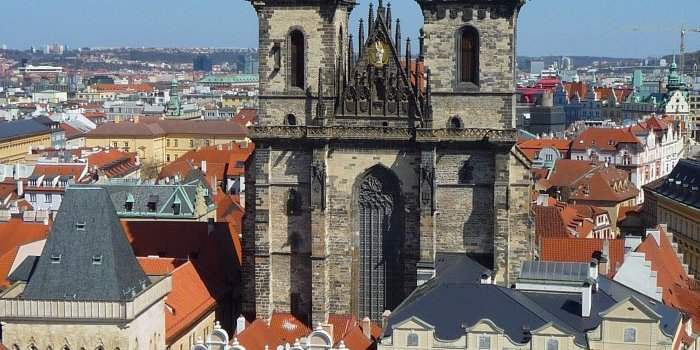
[{"x": 371, "y": 160}]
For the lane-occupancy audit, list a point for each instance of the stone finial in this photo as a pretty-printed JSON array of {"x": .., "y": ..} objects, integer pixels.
[
  {"x": 217, "y": 325},
  {"x": 200, "y": 341},
  {"x": 341, "y": 345},
  {"x": 235, "y": 341}
]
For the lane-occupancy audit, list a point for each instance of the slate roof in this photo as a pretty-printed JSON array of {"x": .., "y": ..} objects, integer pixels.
[
  {"x": 22, "y": 128},
  {"x": 681, "y": 184},
  {"x": 24, "y": 270},
  {"x": 164, "y": 197},
  {"x": 450, "y": 305},
  {"x": 82, "y": 233}
]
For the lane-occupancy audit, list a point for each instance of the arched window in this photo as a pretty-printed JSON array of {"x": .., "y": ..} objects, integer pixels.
[
  {"x": 296, "y": 59},
  {"x": 290, "y": 120},
  {"x": 455, "y": 123},
  {"x": 552, "y": 344},
  {"x": 630, "y": 335},
  {"x": 469, "y": 56},
  {"x": 412, "y": 339}
]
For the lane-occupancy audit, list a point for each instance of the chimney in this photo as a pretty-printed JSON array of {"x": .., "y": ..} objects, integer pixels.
[
  {"x": 385, "y": 317},
  {"x": 604, "y": 265},
  {"x": 136, "y": 119},
  {"x": 240, "y": 324},
  {"x": 210, "y": 226},
  {"x": 586, "y": 300},
  {"x": 486, "y": 278},
  {"x": 593, "y": 270},
  {"x": 367, "y": 327},
  {"x": 204, "y": 166},
  {"x": 20, "y": 188}
]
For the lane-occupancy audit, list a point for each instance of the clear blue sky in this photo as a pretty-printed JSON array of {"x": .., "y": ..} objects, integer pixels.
[{"x": 558, "y": 27}]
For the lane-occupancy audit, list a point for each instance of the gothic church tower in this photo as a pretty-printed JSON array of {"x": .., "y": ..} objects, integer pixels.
[{"x": 369, "y": 162}]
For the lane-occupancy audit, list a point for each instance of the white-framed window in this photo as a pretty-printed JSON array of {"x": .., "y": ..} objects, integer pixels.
[
  {"x": 552, "y": 344},
  {"x": 32, "y": 197},
  {"x": 630, "y": 335},
  {"x": 412, "y": 339},
  {"x": 47, "y": 198},
  {"x": 484, "y": 342}
]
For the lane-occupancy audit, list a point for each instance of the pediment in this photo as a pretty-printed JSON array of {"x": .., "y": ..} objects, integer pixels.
[
  {"x": 485, "y": 326},
  {"x": 413, "y": 323},
  {"x": 552, "y": 329},
  {"x": 630, "y": 308}
]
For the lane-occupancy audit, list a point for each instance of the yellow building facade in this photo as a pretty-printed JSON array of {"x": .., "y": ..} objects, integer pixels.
[{"x": 16, "y": 149}]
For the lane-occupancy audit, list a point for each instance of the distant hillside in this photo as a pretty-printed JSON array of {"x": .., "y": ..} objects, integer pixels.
[{"x": 578, "y": 61}]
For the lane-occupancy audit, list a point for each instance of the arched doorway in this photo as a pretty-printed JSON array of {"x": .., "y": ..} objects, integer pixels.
[{"x": 380, "y": 222}]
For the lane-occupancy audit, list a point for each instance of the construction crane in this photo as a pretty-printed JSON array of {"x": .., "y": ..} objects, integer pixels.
[{"x": 684, "y": 31}]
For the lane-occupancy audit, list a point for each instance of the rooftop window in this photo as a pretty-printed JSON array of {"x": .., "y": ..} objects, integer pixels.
[
  {"x": 80, "y": 225},
  {"x": 56, "y": 259},
  {"x": 97, "y": 259}
]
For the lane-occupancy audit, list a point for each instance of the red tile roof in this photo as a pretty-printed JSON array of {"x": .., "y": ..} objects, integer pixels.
[
  {"x": 531, "y": 147},
  {"x": 606, "y": 139},
  {"x": 590, "y": 181},
  {"x": 582, "y": 250},
  {"x": 122, "y": 87},
  {"x": 549, "y": 223},
  {"x": 114, "y": 163},
  {"x": 70, "y": 132},
  {"x": 189, "y": 300},
  {"x": 246, "y": 116},
  {"x": 258, "y": 335},
  {"x": 14, "y": 234},
  {"x": 60, "y": 169},
  {"x": 213, "y": 254},
  {"x": 679, "y": 290},
  {"x": 221, "y": 161},
  {"x": 156, "y": 266},
  {"x": 287, "y": 327}
]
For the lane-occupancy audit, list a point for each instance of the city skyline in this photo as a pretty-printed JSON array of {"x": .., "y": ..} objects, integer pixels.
[{"x": 640, "y": 31}]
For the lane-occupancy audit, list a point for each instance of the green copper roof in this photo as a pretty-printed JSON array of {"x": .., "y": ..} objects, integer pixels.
[{"x": 230, "y": 79}]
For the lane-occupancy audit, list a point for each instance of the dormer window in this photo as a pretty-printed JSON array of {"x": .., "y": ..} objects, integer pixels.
[
  {"x": 97, "y": 259},
  {"x": 152, "y": 203},
  {"x": 129, "y": 204},
  {"x": 176, "y": 206},
  {"x": 80, "y": 225},
  {"x": 552, "y": 344},
  {"x": 56, "y": 258}
]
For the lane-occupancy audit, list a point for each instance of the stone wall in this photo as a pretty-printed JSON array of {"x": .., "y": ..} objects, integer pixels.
[
  {"x": 147, "y": 331},
  {"x": 322, "y": 26}
]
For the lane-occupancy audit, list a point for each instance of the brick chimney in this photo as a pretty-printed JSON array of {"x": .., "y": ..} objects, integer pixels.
[{"x": 240, "y": 324}]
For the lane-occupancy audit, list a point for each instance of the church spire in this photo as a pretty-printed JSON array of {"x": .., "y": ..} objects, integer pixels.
[
  {"x": 388, "y": 18},
  {"x": 361, "y": 39},
  {"x": 397, "y": 40},
  {"x": 370, "y": 20}
]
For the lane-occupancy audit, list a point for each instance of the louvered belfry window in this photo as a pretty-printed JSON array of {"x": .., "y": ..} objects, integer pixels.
[
  {"x": 296, "y": 59},
  {"x": 469, "y": 56}
]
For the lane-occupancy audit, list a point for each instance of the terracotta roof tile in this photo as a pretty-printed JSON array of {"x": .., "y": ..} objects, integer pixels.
[
  {"x": 189, "y": 300},
  {"x": 531, "y": 147},
  {"x": 592, "y": 181},
  {"x": 257, "y": 336},
  {"x": 155, "y": 266},
  {"x": 122, "y": 87},
  {"x": 287, "y": 327},
  {"x": 246, "y": 116},
  {"x": 14, "y": 234},
  {"x": 606, "y": 139},
  {"x": 74, "y": 170},
  {"x": 581, "y": 250},
  {"x": 549, "y": 223},
  {"x": 679, "y": 290}
]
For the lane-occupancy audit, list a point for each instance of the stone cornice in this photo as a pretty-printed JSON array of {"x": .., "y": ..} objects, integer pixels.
[{"x": 380, "y": 134}]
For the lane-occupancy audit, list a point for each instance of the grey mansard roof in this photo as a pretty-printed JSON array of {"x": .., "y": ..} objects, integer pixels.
[
  {"x": 682, "y": 184},
  {"x": 87, "y": 256},
  {"x": 455, "y": 300}
]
